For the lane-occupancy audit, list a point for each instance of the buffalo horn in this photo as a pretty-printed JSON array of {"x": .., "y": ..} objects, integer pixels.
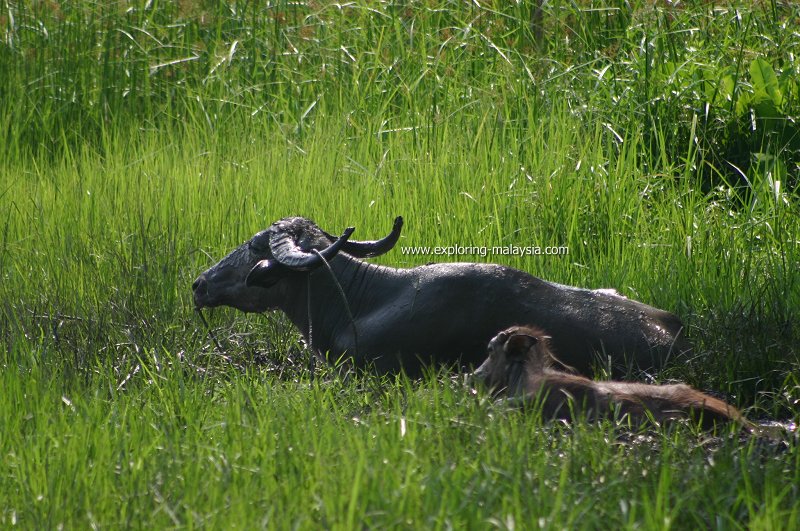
[
  {"x": 287, "y": 253},
  {"x": 369, "y": 249}
]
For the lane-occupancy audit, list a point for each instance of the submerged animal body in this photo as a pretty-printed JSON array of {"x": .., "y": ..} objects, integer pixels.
[
  {"x": 522, "y": 366},
  {"x": 394, "y": 319}
]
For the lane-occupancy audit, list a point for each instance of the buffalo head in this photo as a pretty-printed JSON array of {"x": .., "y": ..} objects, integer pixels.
[
  {"x": 249, "y": 277},
  {"x": 512, "y": 353}
]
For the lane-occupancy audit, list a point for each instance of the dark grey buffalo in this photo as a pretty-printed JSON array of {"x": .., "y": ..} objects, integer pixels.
[{"x": 391, "y": 319}]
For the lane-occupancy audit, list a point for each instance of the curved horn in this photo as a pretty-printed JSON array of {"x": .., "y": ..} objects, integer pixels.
[
  {"x": 369, "y": 249},
  {"x": 287, "y": 253}
]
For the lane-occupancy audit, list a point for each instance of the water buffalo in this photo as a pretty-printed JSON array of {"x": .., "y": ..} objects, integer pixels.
[
  {"x": 521, "y": 365},
  {"x": 392, "y": 319}
]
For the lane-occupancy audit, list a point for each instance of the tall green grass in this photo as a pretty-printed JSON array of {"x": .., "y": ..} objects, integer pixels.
[
  {"x": 720, "y": 77},
  {"x": 179, "y": 450},
  {"x": 141, "y": 141},
  {"x": 115, "y": 241}
]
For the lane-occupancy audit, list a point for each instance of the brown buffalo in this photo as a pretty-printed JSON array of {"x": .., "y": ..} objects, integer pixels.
[{"x": 522, "y": 365}]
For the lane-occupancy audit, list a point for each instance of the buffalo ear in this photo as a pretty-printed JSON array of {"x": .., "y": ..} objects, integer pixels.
[
  {"x": 265, "y": 274},
  {"x": 518, "y": 345}
]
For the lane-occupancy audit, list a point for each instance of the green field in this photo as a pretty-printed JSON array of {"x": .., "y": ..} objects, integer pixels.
[{"x": 140, "y": 141}]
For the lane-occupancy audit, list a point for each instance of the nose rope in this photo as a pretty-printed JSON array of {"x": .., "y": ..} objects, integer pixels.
[
  {"x": 212, "y": 335},
  {"x": 344, "y": 300},
  {"x": 312, "y": 355}
]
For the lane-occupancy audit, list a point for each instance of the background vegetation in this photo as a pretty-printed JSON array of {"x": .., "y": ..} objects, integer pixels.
[{"x": 140, "y": 141}]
